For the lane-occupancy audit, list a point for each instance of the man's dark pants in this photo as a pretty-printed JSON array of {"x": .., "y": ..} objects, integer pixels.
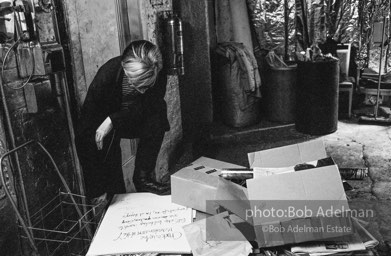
[{"x": 102, "y": 169}]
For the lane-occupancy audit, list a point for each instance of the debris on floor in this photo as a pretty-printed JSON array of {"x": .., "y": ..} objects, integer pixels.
[{"x": 290, "y": 206}]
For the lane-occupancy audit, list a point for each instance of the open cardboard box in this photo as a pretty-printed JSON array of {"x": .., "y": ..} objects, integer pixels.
[{"x": 314, "y": 191}]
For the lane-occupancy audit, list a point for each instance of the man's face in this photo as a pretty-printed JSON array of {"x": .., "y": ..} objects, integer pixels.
[
  {"x": 134, "y": 75},
  {"x": 140, "y": 88}
]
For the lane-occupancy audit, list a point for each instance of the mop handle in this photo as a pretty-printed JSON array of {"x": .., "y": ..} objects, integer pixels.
[{"x": 380, "y": 66}]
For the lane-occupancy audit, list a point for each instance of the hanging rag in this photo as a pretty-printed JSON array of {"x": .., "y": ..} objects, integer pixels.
[
  {"x": 237, "y": 91},
  {"x": 247, "y": 63}
]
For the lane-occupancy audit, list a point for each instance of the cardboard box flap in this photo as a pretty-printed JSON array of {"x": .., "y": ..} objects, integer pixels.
[
  {"x": 204, "y": 169},
  {"x": 234, "y": 198},
  {"x": 288, "y": 155},
  {"x": 213, "y": 163},
  {"x": 322, "y": 183},
  {"x": 210, "y": 166},
  {"x": 194, "y": 189},
  {"x": 318, "y": 189},
  {"x": 196, "y": 177}
]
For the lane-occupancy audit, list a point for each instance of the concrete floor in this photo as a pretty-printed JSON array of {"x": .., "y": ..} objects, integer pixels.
[
  {"x": 352, "y": 145},
  {"x": 370, "y": 146}
]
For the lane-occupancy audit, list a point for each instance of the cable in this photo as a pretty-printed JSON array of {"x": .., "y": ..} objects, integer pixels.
[
  {"x": 108, "y": 149},
  {"x": 6, "y": 56},
  {"x": 21, "y": 37},
  {"x": 4, "y": 61}
]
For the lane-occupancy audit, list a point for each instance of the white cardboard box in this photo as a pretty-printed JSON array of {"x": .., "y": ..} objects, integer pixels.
[{"x": 318, "y": 189}]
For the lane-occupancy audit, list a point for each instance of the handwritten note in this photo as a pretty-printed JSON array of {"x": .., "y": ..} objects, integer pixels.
[{"x": 142, "y": 222}]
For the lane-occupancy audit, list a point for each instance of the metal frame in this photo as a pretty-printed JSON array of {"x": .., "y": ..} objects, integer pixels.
[
  {"x": 82, "y": 222},
  {"x": 343, "y": 52}
]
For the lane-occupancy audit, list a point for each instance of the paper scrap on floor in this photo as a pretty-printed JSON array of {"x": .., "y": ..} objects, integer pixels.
[
  {"x": 142, "y": 223},
  {"x": 367, "y": 238},
  {"x": 337, "y": 245}
]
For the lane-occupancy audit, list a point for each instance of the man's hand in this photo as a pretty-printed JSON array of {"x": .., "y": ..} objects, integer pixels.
[{"x": 102, "y": 131}]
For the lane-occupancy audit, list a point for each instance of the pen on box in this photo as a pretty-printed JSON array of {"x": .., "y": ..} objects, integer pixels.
[
  {"x": 237, "y": 169},
  {"x": 233, "y": 176}
]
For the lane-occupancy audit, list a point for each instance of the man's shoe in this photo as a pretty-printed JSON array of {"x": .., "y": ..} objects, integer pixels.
[{"x": 149, "y": 185}]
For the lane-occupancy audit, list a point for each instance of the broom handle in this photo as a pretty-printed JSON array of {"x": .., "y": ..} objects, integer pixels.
[{"x": 380, "y": 66}]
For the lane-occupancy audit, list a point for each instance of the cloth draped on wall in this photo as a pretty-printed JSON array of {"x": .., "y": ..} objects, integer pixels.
[
  {"x": 309, "y": 21},
  {"x": 267, "y": 19},
  {"x": 232, "y": 22},
  {"x": 302, "y": 33},
  {"x": 312, "y": 21}
]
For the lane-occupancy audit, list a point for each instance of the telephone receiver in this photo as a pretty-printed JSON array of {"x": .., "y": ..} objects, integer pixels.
[{"x": 24, "y": 21}]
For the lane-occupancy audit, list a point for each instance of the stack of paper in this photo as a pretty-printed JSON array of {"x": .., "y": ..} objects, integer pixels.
[{"x": 142, "y": 223}]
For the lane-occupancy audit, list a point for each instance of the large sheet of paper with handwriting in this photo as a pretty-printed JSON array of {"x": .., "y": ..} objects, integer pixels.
[{"x": 142, "y": 222}]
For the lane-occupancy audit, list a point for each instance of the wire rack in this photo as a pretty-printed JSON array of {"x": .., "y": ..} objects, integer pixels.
[
  {"x": 63, "y": 225},
  {"x": 59, "y": 230}
]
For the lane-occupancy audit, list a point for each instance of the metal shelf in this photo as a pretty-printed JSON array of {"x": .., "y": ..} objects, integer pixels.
[{"x": 385, "y": 92}]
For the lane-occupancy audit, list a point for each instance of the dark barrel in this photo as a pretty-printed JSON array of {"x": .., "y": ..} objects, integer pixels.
[
  {"x": 280, "y": 94},
  {"x": 317, "y": 97}
]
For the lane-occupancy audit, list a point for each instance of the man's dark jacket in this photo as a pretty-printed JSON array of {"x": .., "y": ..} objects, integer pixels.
[{"x": 147, "y": 113}]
